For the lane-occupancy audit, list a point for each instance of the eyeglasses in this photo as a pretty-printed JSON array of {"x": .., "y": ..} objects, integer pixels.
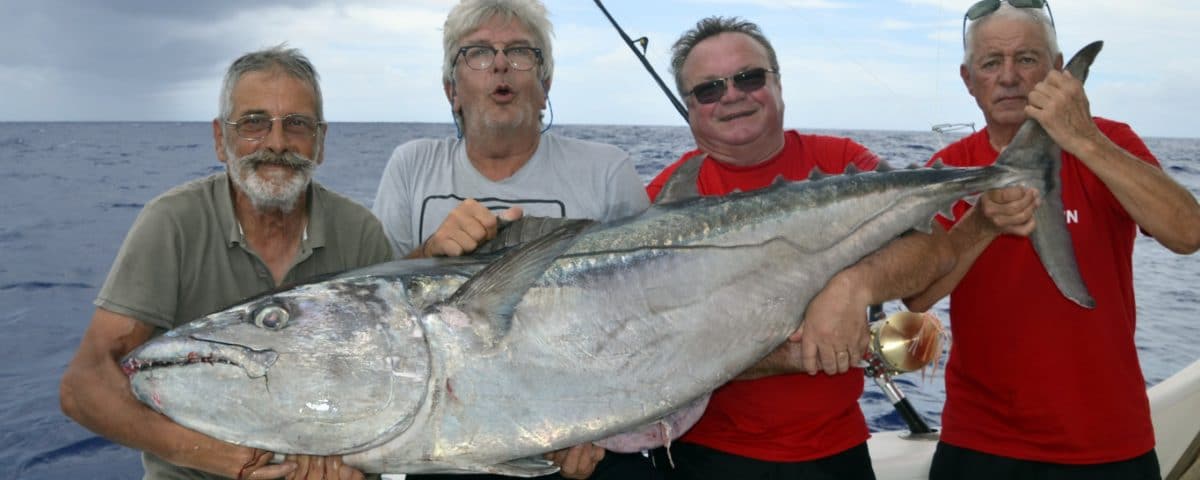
[
  {"x": 747, "y": 81},
  {"x": 479, "y": 57},
  {"x": 983, "y": 8},
  {"x": 256, "y": 126}
]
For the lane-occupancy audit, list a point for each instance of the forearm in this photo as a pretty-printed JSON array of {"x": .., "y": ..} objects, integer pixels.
[
  {"x": 782, "y": 360},
  {"x": 1159, "y": 205},
  {"x": 904, "y": 267},
  {"x": 94, "y": 397},
  {"x": 96, "y": 393},
  {"x": 967, "y": 239}
]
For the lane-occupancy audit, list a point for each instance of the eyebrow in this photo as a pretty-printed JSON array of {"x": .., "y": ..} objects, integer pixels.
[
  {"x": 253, "y": 111},
  {"x": 487, "y": 43}
]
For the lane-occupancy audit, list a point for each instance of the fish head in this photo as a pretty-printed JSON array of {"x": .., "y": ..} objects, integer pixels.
[{"x": 324, "y": 368}]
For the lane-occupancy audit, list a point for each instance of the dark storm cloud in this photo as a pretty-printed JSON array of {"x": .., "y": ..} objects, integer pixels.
[{"x": 98, "y": 53}]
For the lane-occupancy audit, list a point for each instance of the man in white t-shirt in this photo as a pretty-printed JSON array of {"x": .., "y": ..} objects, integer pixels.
[{"x": 444, "y": 197}]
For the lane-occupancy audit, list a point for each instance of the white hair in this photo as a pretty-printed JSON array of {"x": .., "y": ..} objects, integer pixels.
[{"x": 1034, "y": 15}]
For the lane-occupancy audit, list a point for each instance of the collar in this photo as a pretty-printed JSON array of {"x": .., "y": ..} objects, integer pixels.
[{"x": 314, "y": 231}]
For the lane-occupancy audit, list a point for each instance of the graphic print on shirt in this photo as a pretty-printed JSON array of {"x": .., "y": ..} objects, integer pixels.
[{"x": 435, "y": 209}]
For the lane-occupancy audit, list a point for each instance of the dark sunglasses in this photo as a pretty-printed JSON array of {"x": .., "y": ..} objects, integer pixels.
[
  {"x": 984, "y": 8},
  {"x": 747, "y": 81}
]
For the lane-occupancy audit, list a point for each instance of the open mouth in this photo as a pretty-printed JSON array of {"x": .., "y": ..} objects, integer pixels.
[{"x": 503, "y": 91}]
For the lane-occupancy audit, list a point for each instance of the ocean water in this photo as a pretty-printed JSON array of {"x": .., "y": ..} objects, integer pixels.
[{"x": 71, "y": 190}]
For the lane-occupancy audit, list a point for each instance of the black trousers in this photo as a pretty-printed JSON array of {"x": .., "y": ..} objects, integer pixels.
[
  {"x": 952, "y": 463},
  {"x": 614, "y": 466},
  {"x": 694, "y": 462}
]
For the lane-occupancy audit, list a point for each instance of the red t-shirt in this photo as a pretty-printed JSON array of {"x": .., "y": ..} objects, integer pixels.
[
  {"x": 1032, "y": 375},
  {"x": 784, "y": 418}
]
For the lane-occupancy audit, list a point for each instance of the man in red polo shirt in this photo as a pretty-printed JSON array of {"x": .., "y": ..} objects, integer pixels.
[
  {"x": 1027, "y": 394},
  {"x": 796, "y": 413}
]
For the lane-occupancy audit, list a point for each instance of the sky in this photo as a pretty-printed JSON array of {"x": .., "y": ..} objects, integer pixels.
[{"x": 877, "y": 65}]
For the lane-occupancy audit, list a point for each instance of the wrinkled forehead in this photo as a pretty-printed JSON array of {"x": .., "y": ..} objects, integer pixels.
[
  {"x": 1005, "y": 35},
  {"x": 273, "y": 90},
  {"x": 723, "y": 55},
  {"x": 499, "y": 29}
]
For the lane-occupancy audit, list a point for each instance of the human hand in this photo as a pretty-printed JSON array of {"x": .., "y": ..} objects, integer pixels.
[
  {"x": 834, "y": 334},
  {"x": 465, "y": 228},
  {"x": 1009, "y": 210},
  {"x": 1060, "y": 105},
  {"x": 258, "y": 466},
  {"x": 578, "y": 461},
  {"x": 310, "y": 467}
]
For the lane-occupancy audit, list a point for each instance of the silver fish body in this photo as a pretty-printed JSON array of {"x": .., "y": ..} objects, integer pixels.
[{"x": 587, "y": 332}]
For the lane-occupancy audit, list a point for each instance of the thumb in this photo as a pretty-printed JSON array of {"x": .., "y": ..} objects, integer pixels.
[
  {"x": 797, "y": 335},
  {"x": 511, "y": 214}
]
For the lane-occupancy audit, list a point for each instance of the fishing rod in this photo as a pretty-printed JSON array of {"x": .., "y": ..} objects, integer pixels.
[{"x": 645, "y": 63}]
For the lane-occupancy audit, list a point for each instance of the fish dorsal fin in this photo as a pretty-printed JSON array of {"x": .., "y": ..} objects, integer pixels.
[
  {"x": 938, "y": 165},
  {"x": 779, "y": 180},
  {"x": 683, "y": 182},
  {"x": 851, "y": 169},
  {"x": 815, "y": 174},
  {"x": 492, "y": 294},
  {"x": 883, "y": 167},
  {"x": 913, "y": 166}
]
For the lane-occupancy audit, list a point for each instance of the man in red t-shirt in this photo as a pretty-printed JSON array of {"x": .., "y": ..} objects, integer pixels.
[
  {"x": 796, "y": 413},
  {"x": 1026, "y": 395}
]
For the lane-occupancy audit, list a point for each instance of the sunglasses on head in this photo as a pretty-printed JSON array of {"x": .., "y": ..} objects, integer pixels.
[
  {"x": 747, "y": 81},
  {"x": 984, "y": 8}
]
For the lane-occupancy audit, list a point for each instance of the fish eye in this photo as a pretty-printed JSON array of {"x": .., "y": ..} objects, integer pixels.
[{"x": 273, "y": 317}]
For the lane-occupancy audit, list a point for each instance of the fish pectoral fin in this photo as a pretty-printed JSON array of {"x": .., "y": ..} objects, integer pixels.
[
  {"x": 524, "y": 467},
  {"x": 495, "y": 291},
  {"x": 521, "y": 231},
  {"x": 659, "y": 433}
]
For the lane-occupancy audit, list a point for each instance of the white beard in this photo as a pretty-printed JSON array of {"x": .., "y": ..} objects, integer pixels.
[{"x": 279, "y": 190}]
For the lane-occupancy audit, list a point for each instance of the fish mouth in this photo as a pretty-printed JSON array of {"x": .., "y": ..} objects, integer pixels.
[
  {"x": 133, "y": 366},
  {"x": 159, "y": 356}
]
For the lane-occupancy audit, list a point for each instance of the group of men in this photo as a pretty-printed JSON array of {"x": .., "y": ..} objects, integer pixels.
[{"x": 1024, "y": 399}]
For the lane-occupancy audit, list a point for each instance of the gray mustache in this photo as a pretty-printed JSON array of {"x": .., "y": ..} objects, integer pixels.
[{"x": 286, "y": 159}]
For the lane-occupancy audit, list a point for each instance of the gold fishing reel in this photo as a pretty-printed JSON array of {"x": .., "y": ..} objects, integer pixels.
[{"x": 904, "y": 342}]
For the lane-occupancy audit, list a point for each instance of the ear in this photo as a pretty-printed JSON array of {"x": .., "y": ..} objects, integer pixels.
[
  {"x": 451, "y": 94},
  {"x": 1058, "y": 62},
  {"x": 219, "y": 140},
  {"x": 321, "y": 134},
  {"x": 965, "y": 73}
]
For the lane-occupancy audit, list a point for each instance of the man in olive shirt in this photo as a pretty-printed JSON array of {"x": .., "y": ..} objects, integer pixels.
[{"x": 215, "y": 241}]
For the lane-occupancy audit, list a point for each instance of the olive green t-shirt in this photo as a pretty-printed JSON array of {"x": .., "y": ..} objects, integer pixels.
[{"x": 186, "y": 257}]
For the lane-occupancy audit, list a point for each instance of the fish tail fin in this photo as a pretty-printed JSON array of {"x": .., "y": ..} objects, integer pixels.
[{"x": 1034, "y": 152}]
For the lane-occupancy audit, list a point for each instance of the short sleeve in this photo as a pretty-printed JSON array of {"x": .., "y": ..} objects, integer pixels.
[
  {"x": 626, "y": 195},
  {"x": 393, "y": 203},
  {"x": 144, "y": 280}
]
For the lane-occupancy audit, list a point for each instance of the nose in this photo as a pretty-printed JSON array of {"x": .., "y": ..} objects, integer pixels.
[
  {"x": 500, "y": 62},
  {"x": 731, "y": 93},
  {"x": 1008, "y": 73},
  {"x": 276, "y": 140}
]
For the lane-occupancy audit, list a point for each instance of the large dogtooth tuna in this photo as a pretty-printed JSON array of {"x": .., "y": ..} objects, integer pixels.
[{"x": 579, "y": 335}]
